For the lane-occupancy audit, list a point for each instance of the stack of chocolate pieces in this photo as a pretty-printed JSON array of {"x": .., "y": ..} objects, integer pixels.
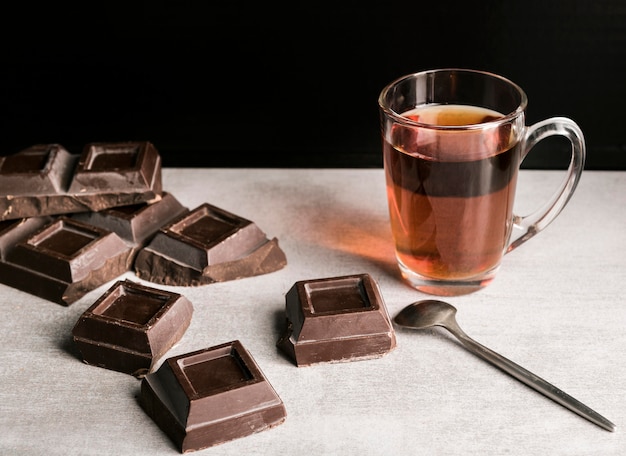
[{"x": 70, "y": 223}]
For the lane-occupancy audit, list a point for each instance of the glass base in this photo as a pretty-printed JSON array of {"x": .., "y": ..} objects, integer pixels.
[{"x": 439, "y": 287}]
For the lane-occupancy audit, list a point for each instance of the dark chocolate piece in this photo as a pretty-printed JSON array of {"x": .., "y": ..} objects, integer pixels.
[
  {"x": 208, "y": 245},
  {"x": 63, "y": 260},
  {"x": 47, "y": 180},
  {"x": 131, "y": 326},
  {"x": 211, "y": 396},
  {"x": 336, "y": 319},
  {"x": 13, "y": 231},
  {"x": 136, "y": 223}
]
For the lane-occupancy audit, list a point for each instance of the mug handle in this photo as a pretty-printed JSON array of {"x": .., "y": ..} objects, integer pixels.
[{"x": 525, "y": 227}]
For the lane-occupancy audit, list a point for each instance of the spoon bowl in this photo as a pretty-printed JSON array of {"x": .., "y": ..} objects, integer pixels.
[
  {"x": 429, "y": 313},
  {"x": 425, "y": 314}
]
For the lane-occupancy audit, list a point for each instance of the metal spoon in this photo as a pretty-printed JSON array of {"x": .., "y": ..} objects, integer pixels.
[{"x": 424, "y": 314}]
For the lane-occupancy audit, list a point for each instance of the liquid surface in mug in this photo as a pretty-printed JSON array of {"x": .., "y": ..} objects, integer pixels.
[
  {"x": 451, "y": 191},
  {"x": 452, "y": 115}
]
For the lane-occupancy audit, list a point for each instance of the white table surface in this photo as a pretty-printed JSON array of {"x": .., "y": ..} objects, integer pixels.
[{"x": 557, "y": 308}]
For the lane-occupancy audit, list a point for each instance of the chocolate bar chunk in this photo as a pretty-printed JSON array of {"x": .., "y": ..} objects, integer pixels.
[
  {"x": 336, "y": 319},
  {"x": 211, "y": 396},
  {"x": 46, "y": 179},
  {"x": 62, "y": 260},
  {"x": 136, "y": 223},
  {"x": 208, "y": 245},
  {"x": 131, "y": 326},
  {"x": 13, "y": 231}
]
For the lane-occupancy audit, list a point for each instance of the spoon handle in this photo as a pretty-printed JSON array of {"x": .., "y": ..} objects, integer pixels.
[{"x": 531, "y": 379}]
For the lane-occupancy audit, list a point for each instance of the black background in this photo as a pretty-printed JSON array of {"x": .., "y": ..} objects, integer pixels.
[{"x": 295, "y": 85}]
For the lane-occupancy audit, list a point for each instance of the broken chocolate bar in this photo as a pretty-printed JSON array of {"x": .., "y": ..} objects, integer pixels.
[
  {"x": 62, "y": 260},
  {"x": 13, "y": 231},
  {"x": 336, "y": 319},
  {"x": 131, "y": 326},
  {"x": 46, "y": 179},
  {"x": 136, "y": 223},
  {"x": 208, "y": 245},
  {"x": 211, "y": 396}
]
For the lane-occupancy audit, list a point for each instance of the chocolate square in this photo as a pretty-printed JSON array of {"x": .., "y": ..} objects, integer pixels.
[
  {"x": 131, "y": 326},
  {"x": 208, "y": 245},
  {"x": 66, "y": 249},
  {"x": 122, "y": 166},
  {"x": 336, "y": 319},
  {"x": 136, "y": 223},
  {"x": 62, "y": 260},
  {"x": 211, "y": 396},
  {"x": 40, "y": 169}
]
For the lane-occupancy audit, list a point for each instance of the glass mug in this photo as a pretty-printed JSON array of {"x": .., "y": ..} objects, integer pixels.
[{"x": 453, "y": 143}]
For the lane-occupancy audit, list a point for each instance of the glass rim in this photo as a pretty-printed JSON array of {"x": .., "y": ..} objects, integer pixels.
[{"x": 506, "y": 118}]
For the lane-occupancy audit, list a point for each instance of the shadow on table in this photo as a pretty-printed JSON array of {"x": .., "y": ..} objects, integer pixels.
[{"x": 354, "y": 231}]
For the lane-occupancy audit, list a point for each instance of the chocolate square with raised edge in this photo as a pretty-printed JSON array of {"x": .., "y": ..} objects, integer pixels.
[
  {"x": 208, "y": 245},
  {"x": 43, "y": 168},
  {"x": 131, "y": 326},
  {"x": 13, "y": 231},
  {"x": 64, "y": 259},
  {"x": 336, "y": 319},
  {"x": 123, "y": 166},
  {"x": 211, "y": 396},
  {"x": 136, "y": 223},
  {"x": 45, "y": 179}
]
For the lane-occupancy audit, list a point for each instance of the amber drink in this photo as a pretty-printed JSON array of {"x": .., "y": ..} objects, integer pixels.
[{"x": 453, "y": 142}]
